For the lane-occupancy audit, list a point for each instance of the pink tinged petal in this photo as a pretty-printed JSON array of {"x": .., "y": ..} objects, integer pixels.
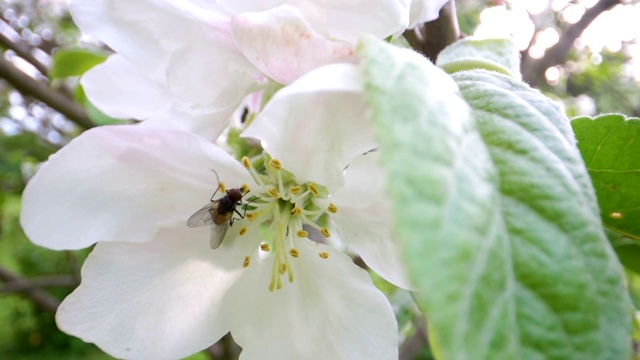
[
  {"x": 156, "y": 300},
  {"x": 122, "y": 91},
  {"x": 282, "y": 44},
  {"x": 332, "y": 310},
  {"x": 122, "y": 182},
  {"x": 424, "y": 11},
  {"x": 364, "y": 219},
  {"x": 186, "y": 47},
  {"x": 317, "y": 125},
  {"x": 349, "y": 20}
]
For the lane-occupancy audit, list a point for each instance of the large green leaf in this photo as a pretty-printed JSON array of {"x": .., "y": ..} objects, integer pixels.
[
  {"x": 497, "y": 220},
  {"x": 610, "y": 146},
  {"x": 469, "y": 53}
]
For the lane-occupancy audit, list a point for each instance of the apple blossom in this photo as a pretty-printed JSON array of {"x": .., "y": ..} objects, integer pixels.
[
  {"x": 189, "y": 64},
  {"x": 152, "y": 287}
]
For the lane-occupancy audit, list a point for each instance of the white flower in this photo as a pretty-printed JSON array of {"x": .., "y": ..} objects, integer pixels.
[
  {"x": 153, "y": 288},
  {"x": 189, "y": 64}
]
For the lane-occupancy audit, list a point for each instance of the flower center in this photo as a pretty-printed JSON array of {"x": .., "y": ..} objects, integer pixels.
[{"x": 281, "y": 213}]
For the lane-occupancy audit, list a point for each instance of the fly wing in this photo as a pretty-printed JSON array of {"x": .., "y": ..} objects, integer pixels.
[
  {"x": 203, "y": 216},
  {"x": 217, "y": 234}
]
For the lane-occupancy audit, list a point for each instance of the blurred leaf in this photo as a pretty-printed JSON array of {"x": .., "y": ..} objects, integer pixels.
[
  {"x": 610, "y": 146},
  {"x": 74, "y": 61},
  {"x": 498, "y": 55},
  {"x": 499, "y": 224},
  {"x": 628, "y": 250}
]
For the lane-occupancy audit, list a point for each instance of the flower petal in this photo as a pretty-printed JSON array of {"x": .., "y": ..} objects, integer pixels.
[
  {"x": 364, "y": 219},
  {"x": 283, "y": 45},
  {"x": 332, "y": 310},
  {"x": 122, "y": 91},
  {"x": 317, "y": 125},
  {"x": 425, "y": 10},
  {"x": 122, "y": 182},
  {"x": 349, "y": 20},
  {"x": 156, "y": 300}
]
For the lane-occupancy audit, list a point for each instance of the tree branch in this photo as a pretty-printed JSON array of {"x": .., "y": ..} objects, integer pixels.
[
  {"x": 533, "y": 70},
  {"x": 39, "y": 296},
  {"x": 41, "y": 91},
  {"x": 432, "y": 37},
  {"x": 24, "y": 50}
]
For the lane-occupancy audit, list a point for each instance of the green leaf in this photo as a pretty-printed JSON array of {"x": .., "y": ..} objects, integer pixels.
[
  {"x": 97, "y": 116},
  {"x": 628, "y": 250},
  {"x": 75, "y": 62},
  {"x": 498, "y": 55},
  {"x": 610, "y": 146},
  {"x": 497, "y": 220}
]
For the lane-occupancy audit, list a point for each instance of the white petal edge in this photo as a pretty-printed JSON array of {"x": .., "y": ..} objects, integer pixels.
[
  {"x": 349, "y": 20},
  {"x": 122, "y": 182},
  {"x": 156, "y": 300},
  {"x": 283, "y": 45},
  {"x": 364, "y": 219},
  {"x": 317, "y": 125},
  {"x": 332, "y": 310},
  {"x": 425, "y": 10},
  {"x": 121, "y": 91}
]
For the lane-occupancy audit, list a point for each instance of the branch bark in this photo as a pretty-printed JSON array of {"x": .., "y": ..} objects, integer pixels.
[
  {"x": 533, "y": 70},
  {"x": 39, "y": 296},
  {"x": 28, "y": 86}
]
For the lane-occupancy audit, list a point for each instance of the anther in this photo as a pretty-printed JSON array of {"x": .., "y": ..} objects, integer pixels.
[
  {"x": 314, "y": 189},
  {"x": 251, "y": 216},
  {"x": 265, "y": 247},
  {"x": 275, "y": 164},
  {"x": 274, "y": 193},
  {"x": 294, "y": 252},
  {"x": 295, "y": 190},
  {"x": 283, "y": 268},
  {"x": 246, "y": 162},
  {"x": 222, "y": 187},
  {"x": 243, "y": 230},
  {"x": 324, "y": 255},
  {"x": 245, "y": 188},
  {"x": 332, "y": 208},
  {"x": 296, "y": 211},
  {"x": 325, "y": 232},
  {"x": 247, "y": 260},
  {"x": 302, "y": 234}
]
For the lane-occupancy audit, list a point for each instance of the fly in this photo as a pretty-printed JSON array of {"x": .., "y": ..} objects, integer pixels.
[{"x": 219, "y": 214}]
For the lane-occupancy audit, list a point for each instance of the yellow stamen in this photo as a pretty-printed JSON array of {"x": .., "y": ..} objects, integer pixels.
[
  {"x": 243, "y": 230},
  {"x": 283, "y": 268},
  {"x": 265, "y": 247},
  {"x": 332, "y": 208},
  {"x": 302, "y": 234},
  {"x": 247, "y": 260},
  {"x": 246, "y": 162},
  {"x": 294, "y": 252},
  {"x": 275, "y": 164},
  {"x": 251, "y": 216},
  {"x": 273, "y": 193},
  {"x": 314, "y": 189},
  {"x": 245, "y": 188},
  {"x": 222, "y": 187},
  {"x": 324, "y": 255},
  {"x": 296, "y": 211},
  {"x": 325, "y": 232},
  {"x": 295, "y": 190}
]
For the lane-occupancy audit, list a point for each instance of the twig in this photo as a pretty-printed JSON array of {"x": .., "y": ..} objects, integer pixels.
[
  {"x": 22, "y": 285},
  {"x": 533, "y": 70},
  {"x": 413, "y": 347},
  {"x": 41, "y": 91},
  {"x": 39, "y": 296},
  {"x": 24, "y": 50}
]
